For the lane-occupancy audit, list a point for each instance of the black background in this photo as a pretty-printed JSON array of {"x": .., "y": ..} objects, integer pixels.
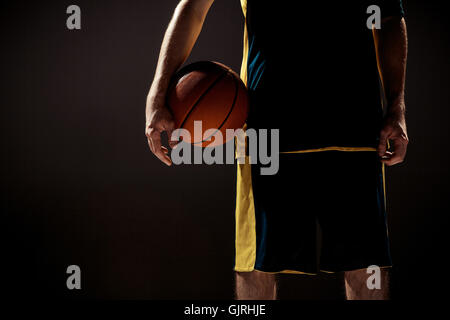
[{"x": 79, "y": 185}]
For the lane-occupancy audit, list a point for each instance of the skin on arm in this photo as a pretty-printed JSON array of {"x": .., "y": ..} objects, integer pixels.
[
  {"x": 392, "y": 46},
  {"x": 179, "y": 39}
]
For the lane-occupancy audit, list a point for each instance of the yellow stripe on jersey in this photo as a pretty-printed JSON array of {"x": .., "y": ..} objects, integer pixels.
[
  {"x": 245, "y": 209},
  {"x": 245, "y": 220},
  {"x": 350, "y": 149}
]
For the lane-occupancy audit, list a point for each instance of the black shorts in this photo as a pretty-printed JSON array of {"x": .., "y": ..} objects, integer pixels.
[{"x": 338, "y": 191}]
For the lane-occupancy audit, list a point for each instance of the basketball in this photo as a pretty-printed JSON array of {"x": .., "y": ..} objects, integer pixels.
[{"x": 212, "y": 93}]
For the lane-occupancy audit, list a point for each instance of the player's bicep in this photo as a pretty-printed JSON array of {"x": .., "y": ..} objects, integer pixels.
[{"x": 199, "y": 7}]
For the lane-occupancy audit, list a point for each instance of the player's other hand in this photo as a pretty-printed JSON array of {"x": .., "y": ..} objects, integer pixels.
[
  {"x": 394, "y": 132},
  {"x": 159, "y": 119}
]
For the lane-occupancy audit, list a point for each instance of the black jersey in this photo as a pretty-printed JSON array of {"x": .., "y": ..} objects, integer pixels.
[{"x": 311, "y": 71}]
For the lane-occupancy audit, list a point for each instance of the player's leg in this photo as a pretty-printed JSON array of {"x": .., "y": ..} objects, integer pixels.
[
  {"x": 275, "y": 230},
  {"x": 353, "y": 221},
  {"x": 356, "y": 287},
  {"x": 255, "y": 285}
]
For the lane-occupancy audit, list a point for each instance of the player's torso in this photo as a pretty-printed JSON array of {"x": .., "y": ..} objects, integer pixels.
[{"x": 312, "y": 65}]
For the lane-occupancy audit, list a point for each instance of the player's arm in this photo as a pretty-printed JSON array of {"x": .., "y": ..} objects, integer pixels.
[
  {"x": 179, "y": 39},
  {"x": 392, "y": 46}
]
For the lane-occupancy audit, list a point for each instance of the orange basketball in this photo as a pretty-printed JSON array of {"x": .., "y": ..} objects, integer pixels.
[{"x": 209, "y": 92}]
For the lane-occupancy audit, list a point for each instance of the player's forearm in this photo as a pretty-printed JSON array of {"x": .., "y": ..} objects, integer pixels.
[
  {"x": 392, "y": 46},
  {"x": 179, "y": 39}
]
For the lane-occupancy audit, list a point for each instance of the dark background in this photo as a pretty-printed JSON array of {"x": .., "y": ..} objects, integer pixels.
[{"x": 79, "y": 185}]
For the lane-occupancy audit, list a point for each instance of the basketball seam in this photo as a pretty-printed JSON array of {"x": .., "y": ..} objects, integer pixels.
[
  {"x": 229, "y": 112},
  {"x": 201, "y": 97}
]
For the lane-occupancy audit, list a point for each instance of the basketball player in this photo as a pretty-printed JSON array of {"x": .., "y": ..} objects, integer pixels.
[{"x": 314, "y": 71}]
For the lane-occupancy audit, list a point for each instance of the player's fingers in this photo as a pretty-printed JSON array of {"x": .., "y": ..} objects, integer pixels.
[
  {"x": 163, "y": 156},
  {"x": 387, "y": 155},
  {"x": 399, "y": 152},
  {"x": 164, "y": 150},
  {"x": 150, "y": 144},
  {"x": 155, "y": 137},
  {"x": 392, "y": 161},
  {"x": 173, "y": 138},
  {"x": 382, "y": 146},
  {"x": 149, "y": 140},
  {"x": 173, "y": 143}
]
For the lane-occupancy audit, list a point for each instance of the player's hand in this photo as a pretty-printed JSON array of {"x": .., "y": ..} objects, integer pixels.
[
  {"x": 159, "y": 119},
  {"x": 394, "y": 131}
]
